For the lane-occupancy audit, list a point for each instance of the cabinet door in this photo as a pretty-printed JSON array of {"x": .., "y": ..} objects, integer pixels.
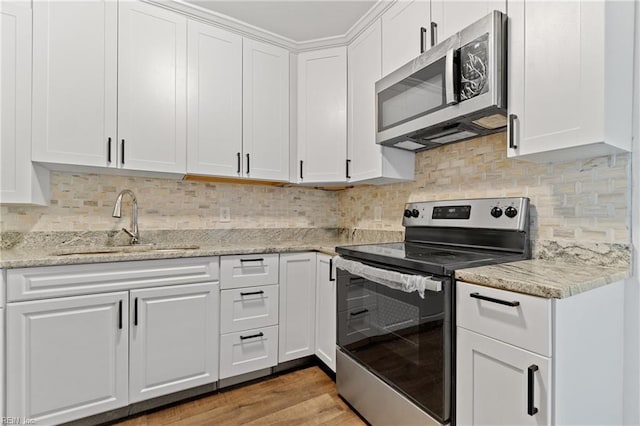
[
  {"x": 20, "y": 181},
  {"x": 67, "y": 358},
  {"x": 405, "y": 29},
  {"x": 453, "y": 16},
  {"x": 568, "y": 87},
  {"x": 322, "y": 115},
  {"x": 174, "y": 339},
  {"x": 493, "y": 382},
  {"x": 326, "y": 311},
  {"x": 364, "y": 70},
  {"x": 152, "y": 88},
  {"x": 74, "y": 82},
  {"x": 297, "y": 306},
  {"x": 265, "y": 111},
  {"x": 214, "y": 133}
]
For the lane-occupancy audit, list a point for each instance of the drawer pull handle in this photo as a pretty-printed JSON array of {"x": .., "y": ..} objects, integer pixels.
[
  {"x": 259, "y": 259},
  {"x": 251, "y": 293},
  {"x": 364, "y": 311},
  {"x": 531, "y": 409},
  {"x": 491, "y": 299},
  {"x": 252, "y": 336}
]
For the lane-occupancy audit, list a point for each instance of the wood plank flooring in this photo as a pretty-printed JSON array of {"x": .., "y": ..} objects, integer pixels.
[{"x": 302, "y": 397}]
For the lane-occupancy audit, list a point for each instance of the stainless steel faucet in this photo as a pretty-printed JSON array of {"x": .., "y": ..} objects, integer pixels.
[{"x": 134, "y": 233}]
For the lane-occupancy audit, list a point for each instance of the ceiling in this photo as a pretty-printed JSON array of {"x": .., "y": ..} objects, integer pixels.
[{"x": 298, "y": 20}]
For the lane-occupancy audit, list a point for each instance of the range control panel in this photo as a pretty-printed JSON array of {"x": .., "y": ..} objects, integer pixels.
[{"x": 510, "y": 213}]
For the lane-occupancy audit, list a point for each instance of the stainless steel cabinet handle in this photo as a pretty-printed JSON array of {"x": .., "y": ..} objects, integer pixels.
[
  {"x": 491, "y": 299},
  {"x": 512, "y": 131}
]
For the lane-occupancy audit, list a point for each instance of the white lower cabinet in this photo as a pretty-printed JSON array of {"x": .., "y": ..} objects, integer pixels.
[
  {"x": 71, "y": 354},
  {"x": 506, "y": 373},
  {"x": 297, "y": 306},
  {"x": 250, "y": 307},
  {"x": 525, "y": 360},
  {"x": 247, "y": 351},
  {"x": 174, "y": 343},
  {"x": 67, "y": 358},
  {"x": 326, "y": 311}
]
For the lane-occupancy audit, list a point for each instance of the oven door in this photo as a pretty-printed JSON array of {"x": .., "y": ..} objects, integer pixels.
[{"x": 402, "y": 338}]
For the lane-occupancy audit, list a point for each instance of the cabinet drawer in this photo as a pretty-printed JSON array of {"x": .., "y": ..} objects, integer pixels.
[
  {"x": 527, "y": 325},
  {"x": 71, "y": 280},
  {"x": 248, "y": 351},
  {"x": 248, "y": 270},
  {"x": 247, "y": 308}
]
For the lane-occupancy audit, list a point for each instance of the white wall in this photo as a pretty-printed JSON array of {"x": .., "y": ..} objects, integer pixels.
[{"x": 632, "y": 290}]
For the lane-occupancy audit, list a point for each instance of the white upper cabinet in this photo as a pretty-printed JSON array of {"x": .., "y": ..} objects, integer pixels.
[
  {"x": 366, "y": 160},
  {"x": 152, "y": 88},
  {"x": 405, "y": 32},
  {"x": 322, "y": 115},
  {"x": 453, "y": 16},
  {"x": 214, "y": 132},
  {"x": 74, "y": 82},
  {"x": 570, "y": 79},
  {"x": 265, "y": 77},
  {"x": 20, "y": 181}
]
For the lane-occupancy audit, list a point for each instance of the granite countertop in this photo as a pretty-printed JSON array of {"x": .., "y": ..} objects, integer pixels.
[
  {"x": 544, "y": 278},
  {"x": 51, "y": 257}
]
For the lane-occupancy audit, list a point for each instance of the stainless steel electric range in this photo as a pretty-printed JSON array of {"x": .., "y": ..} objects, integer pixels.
[{"x": 396, "y": 305}]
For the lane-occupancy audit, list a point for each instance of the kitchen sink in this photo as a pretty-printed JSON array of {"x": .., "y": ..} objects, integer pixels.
[{"x": 137, "y": 248}]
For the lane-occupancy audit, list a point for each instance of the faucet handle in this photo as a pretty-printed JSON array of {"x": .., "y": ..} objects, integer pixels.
[{"x": 134, "y": 237}]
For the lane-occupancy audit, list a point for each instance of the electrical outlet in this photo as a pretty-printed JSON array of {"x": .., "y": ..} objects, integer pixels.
[
  {"x": 377, "y": 214},
  {"x": 225, "y": 214}
]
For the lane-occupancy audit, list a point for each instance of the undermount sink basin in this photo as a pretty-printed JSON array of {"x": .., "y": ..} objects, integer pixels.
[{"x": 138, "y": 248}]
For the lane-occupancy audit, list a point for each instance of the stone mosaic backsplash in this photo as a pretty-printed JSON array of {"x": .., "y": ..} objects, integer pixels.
[
  {"x": 83, "y": 202},
  {"x": 582, "y": 200}
]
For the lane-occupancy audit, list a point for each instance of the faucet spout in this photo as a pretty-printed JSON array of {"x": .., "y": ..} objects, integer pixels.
[{"x": 134, "y": 232}]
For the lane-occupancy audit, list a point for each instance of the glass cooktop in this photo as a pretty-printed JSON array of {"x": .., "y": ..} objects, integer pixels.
[{"x": 431, "y": 258}]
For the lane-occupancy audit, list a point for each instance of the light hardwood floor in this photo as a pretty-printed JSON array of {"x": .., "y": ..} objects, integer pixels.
[{"x": 303, "y": 397}]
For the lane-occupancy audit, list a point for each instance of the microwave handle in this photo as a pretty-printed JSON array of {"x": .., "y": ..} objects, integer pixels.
[{"x": 451, "y": 77}]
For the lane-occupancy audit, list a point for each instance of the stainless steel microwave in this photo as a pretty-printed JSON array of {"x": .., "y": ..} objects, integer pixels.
[{"x": 454, "y": 91}]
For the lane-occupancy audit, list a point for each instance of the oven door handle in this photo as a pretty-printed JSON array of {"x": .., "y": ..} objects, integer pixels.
[{"x": 451, "y": 77}]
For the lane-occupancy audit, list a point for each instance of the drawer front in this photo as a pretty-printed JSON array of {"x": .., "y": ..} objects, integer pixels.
[
  {"x": 527, "y": 325},
  {"x": 247, "y": 308},
  {"x": 248, "y": 270},
  {"x": 248, "y": 351},
  {"x": 72, "y": 280}
]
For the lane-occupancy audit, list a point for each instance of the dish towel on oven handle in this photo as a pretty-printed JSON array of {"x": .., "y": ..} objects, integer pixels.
[{"x": 396, "y": 280}]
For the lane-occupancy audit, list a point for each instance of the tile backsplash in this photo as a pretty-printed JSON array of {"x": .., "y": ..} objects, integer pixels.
[
  {"x": 586, "y": 200},
  {"x": 81, "y": 202}
]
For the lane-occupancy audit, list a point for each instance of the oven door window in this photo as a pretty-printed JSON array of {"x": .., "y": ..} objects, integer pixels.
[
  {"x": 402, "y": 338},
  {"x": 417, "y": 95}
]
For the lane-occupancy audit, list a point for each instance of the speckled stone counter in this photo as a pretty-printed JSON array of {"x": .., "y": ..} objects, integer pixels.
[
  {"x": 50, "y": 249},
  {"x": 544, "y": 278}
]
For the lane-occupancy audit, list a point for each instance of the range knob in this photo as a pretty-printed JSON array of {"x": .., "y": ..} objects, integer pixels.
[
  {"x": 407, "y": 213},
  {"x": 496, "y": 212},
  {"x": 415, "y": 213},
  {"x": 511, "y": 212}
]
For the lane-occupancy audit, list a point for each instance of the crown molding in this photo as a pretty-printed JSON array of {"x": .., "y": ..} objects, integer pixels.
[{"x": 231, "y": 24}]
